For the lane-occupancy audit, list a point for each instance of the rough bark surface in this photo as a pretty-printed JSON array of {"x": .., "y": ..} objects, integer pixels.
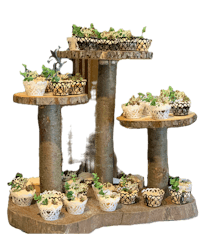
[
  {"x": 29, "y": 220},
  {"x": 105, "y": 120},
  {"x": 158, "y": 172},
  {"x": 50, "y": 153},
  {"x": 104, "y": 55}
]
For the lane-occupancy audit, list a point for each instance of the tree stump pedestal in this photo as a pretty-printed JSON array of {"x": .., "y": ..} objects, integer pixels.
[{"x": 158, "y": 172}]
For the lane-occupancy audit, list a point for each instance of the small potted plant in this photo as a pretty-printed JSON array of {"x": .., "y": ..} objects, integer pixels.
[
  {"x": 133, "y": 109},
  {"x": 108, "y": 186},
  {"x": 50, "y": 204},
  {"x": 168, "y": 96},
  {"x": 77, "y": 84},
  {"x": 127, "y": 184},
  {"x": 108, "y": 200},
  {"x": 62, "y": 85},
  {"x": 146, "y": 101},
  {"x": 153, "y": 196},
  {"x": 75, "y": 203},
  {"x": 185, "y": 184},
  {"x": 21, "y": 192},
  {"x": 179, "y": 191},
  {"x": 76, "y": 186},
  {"x": 128, "y": 196},
  {"x": 34, "y": 84},
  {"x": 136, "y": 180},
  {"x": 143, "y": 44},
  {"x": 181, "y": 105},
  {"x": 159, "y": 109}
]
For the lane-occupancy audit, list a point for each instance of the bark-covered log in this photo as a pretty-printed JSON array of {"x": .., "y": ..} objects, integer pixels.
[
  {"x": 105, "y": 120},
  {"x": 50, "y": 153}
]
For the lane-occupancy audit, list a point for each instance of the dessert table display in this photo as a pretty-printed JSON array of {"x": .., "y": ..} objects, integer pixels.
[{"x": 84, "y": 202}]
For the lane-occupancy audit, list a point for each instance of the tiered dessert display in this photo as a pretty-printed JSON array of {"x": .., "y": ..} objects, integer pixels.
[{"x": 81, "y": 202}]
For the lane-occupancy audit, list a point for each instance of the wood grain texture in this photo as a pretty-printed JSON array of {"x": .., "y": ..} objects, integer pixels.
[
  {"x": 50, "y": 153},
  {"x": 29, "y": 220},
  {"x": 105, "y": 55},
  {"x": 105, "y": 121},
  {"x": 49, "y": 99},
  {"x": 158, "y": 171},
  {"x": 147, "y": 122}
]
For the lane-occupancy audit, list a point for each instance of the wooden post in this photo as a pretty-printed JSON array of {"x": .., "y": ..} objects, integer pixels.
[
  {"x": 89, "y": 78},
  {"x": 50, "y": 153},
  {"x": 83, "y": 68},
  {"x": 76, "y": 66},
  {"x": 158, "y": 172},
  {"x": 62, "y": 153},
  {"x": 105, "y": 120}
]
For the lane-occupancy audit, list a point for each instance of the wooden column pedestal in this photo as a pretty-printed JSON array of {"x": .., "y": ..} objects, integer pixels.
[
  {"x": 50, "y": 153},
  {"x": 105, "y": 120},
  {"x": 158, "y": 172}
]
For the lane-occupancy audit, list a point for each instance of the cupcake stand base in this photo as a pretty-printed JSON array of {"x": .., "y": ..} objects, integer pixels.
[{"x": 29, "y": 220}]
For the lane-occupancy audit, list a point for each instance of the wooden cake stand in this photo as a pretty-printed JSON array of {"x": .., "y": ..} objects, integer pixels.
[
  {"x": 49, "y": 116},
  {"x": 158, "y": 171}
]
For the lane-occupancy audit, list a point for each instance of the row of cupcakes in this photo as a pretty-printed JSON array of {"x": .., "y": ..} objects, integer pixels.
[
  {"x": 52, "y": 81},
  {"x": 158, "y": 107},
  {"x": 91, "y": 39},
  {"x": 108, "y": 195}
]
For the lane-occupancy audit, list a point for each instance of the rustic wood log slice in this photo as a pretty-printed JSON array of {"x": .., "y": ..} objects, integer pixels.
[
  {"x": 105, "y": 55},
  {"x": 147, "y": 122},
  {"x": 49, "y": 99},
  {"x": 29, "y": 220}
]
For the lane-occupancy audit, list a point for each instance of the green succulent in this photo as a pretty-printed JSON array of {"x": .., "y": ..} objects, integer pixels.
[
  {"x": 143, "y": 31},
  {"x": 67, "y": 186},
  {"x": 28, "y": 75},
  {"x": 47, "y": 72},
  {"x": 97, "y": 184},
  {"x": 174, "y": 182},
  {"x": 76, "y": 31},
  {"x": 70, "y": 196},
  {"x": 77, "y": 77}
]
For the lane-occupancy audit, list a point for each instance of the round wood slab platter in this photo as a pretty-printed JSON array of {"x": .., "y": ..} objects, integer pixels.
[
  {"x": 49, "y": 99},
  {"x": 105, "y": 55},
  {"x": 28, "y": 219},
  {"x": 148, "y": 122}
]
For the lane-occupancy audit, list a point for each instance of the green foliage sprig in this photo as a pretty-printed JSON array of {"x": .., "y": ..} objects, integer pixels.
[
  {"x": 70, "y": 196},
  {"x": 44, "y": 200},
  {"x": 153, "y": 102},
  {"x": 97, "y": 184},
  {"x": 77, "y": 77},
  {"x": 47, "y": 71},
  {"x": 76, "y": 31},
  {"x": 124, "y": 181},
  {"x": 174, "y": 182},
  {"x": 143, "y": 31},
  {"x": 28, "y": 74},
  {"x": 94, "y": 33},
  {"x": 74, "y": 178},
  {"x": 67, "y": 186}
]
